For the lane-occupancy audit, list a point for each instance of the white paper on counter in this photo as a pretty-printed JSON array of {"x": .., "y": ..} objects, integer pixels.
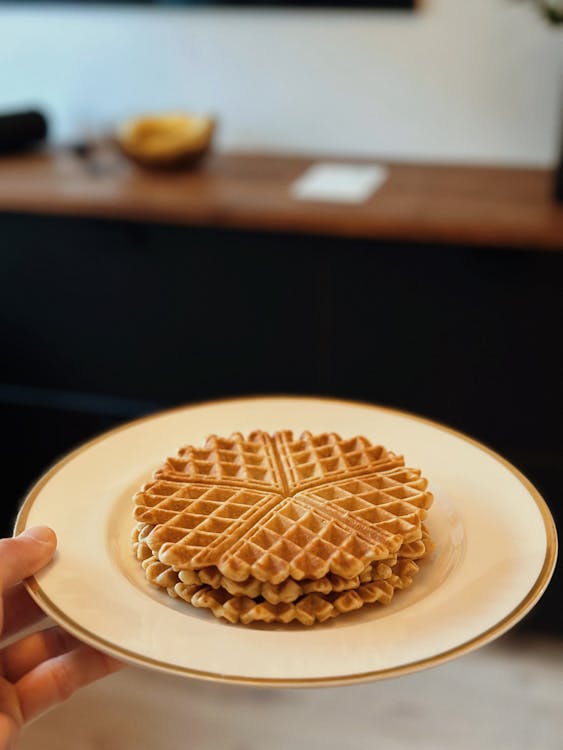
[{"x": 339, "y": 183}]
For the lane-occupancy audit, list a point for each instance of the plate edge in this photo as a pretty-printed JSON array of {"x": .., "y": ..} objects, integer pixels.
[{"x": 487, "y": 636}]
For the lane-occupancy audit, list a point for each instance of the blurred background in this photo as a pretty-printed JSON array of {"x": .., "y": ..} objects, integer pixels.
[{"x": 150, "y": 262}]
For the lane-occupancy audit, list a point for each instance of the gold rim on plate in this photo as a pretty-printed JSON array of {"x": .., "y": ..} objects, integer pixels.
[{"x": 119, "y": 652}]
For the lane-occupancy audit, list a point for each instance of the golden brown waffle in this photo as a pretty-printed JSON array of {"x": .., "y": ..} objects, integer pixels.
[
  {"x": 288, "y": 591},
  {"x": 413, "y": 550},
  {"x": 278, "y": 464},
  {"x": 233, "y": 461},
  {"x": 307, "y": 609},
  {"x": 313, "y": 460},
  {"x": 276, "y": 508}
]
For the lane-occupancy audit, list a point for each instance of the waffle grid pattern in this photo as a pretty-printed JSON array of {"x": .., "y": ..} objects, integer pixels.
[
  {"x": 334, "y": 526},
  {"x": 235, "y": 461},
  {"x": 287, "y": 591},
  {"x": 316, "y": 459},
  {"x": 275, "y": 529}
]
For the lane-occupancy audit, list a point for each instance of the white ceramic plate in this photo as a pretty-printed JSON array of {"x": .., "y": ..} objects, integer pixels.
[{"x": 496, "y": 549}]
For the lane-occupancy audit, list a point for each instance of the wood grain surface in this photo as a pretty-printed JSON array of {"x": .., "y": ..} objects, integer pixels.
[{"x": 492, "y": 206}]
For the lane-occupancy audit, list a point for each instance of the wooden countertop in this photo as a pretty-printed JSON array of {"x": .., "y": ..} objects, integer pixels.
[{"x": 424, "y": 203}]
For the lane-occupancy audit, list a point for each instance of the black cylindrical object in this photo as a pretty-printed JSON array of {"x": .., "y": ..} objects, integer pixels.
[{"x": 20, "y": 130}]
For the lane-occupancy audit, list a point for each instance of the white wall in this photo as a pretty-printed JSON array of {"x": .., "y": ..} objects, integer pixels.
[{"x": 462, "y": 80}]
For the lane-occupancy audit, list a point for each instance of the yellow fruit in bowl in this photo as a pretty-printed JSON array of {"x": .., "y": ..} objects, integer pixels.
[{"x": 166, "y": 141}]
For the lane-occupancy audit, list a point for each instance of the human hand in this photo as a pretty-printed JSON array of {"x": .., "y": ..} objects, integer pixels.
[{"x": 45, "y": 668}]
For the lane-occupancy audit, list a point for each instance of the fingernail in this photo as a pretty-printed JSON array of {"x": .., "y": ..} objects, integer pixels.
[{"x": 41, "y": 534}]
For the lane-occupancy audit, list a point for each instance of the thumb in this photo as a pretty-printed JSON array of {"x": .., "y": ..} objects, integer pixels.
[{"x": 25, "y": 554}]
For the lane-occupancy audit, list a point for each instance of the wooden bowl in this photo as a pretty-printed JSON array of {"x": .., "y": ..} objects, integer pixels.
[{"x": 174, "y": 141}]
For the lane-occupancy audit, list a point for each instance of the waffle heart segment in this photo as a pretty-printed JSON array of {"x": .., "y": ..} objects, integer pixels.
[
  {"x": 235, "y": 461},
  {"x": 313, "y": 460}
]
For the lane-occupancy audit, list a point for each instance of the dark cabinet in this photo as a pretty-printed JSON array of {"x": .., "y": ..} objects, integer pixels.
[{"x": 103, "y": 321}]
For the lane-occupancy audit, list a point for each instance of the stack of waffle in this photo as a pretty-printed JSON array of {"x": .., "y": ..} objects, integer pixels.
[{"x": 276, "y": 528}]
